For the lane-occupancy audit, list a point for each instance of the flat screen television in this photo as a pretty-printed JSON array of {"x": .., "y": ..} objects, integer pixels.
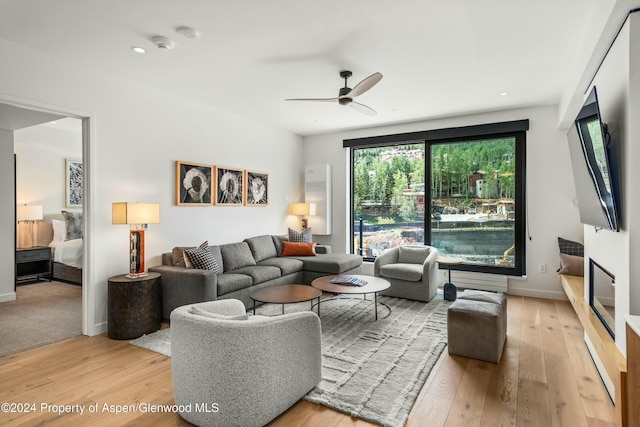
[{"x": 592, "y": 158}]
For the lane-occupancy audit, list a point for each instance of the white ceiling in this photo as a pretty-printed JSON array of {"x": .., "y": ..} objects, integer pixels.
[{"x": 439, "y": 57}]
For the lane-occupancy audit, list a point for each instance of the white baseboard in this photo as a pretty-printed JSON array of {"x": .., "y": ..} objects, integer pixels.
[{"x": 8, "y": 297}]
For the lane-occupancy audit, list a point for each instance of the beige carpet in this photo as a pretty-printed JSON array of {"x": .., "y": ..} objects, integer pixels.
[{"x": 43, "y": 313}]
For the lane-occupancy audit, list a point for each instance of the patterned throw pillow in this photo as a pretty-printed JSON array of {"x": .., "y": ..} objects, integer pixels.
[
  {"x": 570, "y": 247},
  {"x": 201, "y": 258},
  {"x": 304, "y": 236},
  {"x": 74, "y": 224}
]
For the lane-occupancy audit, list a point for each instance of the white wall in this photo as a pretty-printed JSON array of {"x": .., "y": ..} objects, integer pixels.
[
  {"x": 618, "y": 86},
  {"x": 7, "y": 218},
  {"x": 41, "y": 152},
  {"x": 137, "y": 133},
  {"x": 550, "y": 190}
]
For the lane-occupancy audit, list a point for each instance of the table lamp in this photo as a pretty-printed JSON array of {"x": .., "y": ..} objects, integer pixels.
[
  {"x": 28, "y": 215},
  {"x": 302, "y": 210},
  {"x": 137, "y": 215}
]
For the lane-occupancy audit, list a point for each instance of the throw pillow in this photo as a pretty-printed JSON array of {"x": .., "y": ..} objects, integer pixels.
[
  {"x": 205, "y": 313},
  {"x": 73, "y": 222},
  {"x": 570, "y": 247},
  {"x": 178, "y": 255},
  {"x": 303, "y": 236},
  {"x": 571, "y": 264},
  {"x": 59, "y": 230},
  {"x": 201, "y": 258},
  {"x": 298, "y": 249}
]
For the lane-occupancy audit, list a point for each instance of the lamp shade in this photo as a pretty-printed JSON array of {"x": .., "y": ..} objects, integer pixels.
[
  {"x": 29, "y": 213},
  {"x": 135, "y": 213},
  {"x": 299, "y": 208}
]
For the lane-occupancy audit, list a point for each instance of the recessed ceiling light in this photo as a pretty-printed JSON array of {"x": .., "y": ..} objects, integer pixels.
[
  {"x": 504, "y": 93},
  {"x": 138, "y": 49},
  {"x": 52, "y": 122}
]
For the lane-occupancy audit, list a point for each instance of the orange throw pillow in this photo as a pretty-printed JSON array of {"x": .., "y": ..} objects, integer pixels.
[{"x": 298, "y": 249}]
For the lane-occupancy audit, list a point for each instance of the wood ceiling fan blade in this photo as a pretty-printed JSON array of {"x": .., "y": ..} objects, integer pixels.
[
  {"x": 365, "y": 85},
  {"x": 313, "y": 99},
  {"x": 362, "y": 108}
]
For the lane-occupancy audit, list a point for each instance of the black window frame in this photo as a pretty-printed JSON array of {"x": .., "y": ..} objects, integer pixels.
[{"x": 512, "y": 129}]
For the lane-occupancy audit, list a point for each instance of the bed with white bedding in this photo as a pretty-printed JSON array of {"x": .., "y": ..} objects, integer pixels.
[{"x": 67, "y": 255}]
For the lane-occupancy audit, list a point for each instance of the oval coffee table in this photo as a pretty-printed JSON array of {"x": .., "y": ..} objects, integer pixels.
[
  {"x": 373, "y": 286},
  {"x": 285, "y": 294}
]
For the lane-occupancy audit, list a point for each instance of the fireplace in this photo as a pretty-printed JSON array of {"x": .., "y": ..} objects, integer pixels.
[{"x": 602, "y": 295}]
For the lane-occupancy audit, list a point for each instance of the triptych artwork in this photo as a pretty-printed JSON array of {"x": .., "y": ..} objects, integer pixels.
[{"x": 199, "y": 184}]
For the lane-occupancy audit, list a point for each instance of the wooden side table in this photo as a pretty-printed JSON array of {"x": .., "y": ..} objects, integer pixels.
[{"x": 135, "y": 306}]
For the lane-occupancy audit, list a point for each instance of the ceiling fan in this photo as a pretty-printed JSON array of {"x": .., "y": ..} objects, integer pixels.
[{"x": 346, "y": 94}]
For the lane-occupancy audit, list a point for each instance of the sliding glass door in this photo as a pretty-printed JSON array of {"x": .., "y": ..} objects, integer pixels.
[{"x": 460, "y": 192}]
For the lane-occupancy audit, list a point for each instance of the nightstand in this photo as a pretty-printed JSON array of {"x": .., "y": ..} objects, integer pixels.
[
  {"x": 33, "y": 264},
  {"x": 135, "y": 306}
]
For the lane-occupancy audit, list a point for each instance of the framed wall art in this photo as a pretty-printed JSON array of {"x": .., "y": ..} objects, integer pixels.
[
  {"x": 229, "y": 186},
  {"x": 193, "y": 184},
  {"x": 256, "y": 188},
  {"x": 73, "y": 183}
]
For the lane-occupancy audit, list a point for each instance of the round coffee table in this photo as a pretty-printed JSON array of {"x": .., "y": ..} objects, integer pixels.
[
  {"x": 285, "y": 294},
  {"x": 373, "y": 286}
]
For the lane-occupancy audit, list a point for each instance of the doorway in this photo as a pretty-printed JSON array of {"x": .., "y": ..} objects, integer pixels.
[{"x": 44, "y": 144}]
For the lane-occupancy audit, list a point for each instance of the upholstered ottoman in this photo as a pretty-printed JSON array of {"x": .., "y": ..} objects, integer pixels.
[{"x": 477, "y": 325}]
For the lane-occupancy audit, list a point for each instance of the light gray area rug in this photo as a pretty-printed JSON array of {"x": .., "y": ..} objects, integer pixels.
[
  {"x": 372, "y": 370},
  {"x": 43, "y": 313}
]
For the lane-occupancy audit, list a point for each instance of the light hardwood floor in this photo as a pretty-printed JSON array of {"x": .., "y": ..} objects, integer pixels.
[{"x": 545, "y": 378}]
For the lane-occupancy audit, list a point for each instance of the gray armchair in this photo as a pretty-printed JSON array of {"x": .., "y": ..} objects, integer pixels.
[
  {"x": 412, "y": 271},
  {"x": 252, "y": 368}
]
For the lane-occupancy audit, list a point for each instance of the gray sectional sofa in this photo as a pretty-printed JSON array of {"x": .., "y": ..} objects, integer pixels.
[{"x": 254, "y": 263}]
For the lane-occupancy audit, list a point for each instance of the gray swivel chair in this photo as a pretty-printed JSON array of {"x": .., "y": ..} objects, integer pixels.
[
  {"x": 412, "y": 271},
  {"x": 252, "y": 368}
]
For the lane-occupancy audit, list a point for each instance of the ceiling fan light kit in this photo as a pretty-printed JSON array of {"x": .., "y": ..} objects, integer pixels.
[{"x": 346, "y": 94}]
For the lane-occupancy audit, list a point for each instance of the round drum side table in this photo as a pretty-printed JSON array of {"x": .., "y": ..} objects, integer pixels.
[{"x": 135, "y": 306}]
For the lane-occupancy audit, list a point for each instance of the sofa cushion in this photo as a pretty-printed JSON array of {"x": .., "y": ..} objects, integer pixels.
[
  {"x": 412, "y": 254},
  {"x": 259, "y": 273},
  {"x": 236, "y": 255},
  {"x": 303, "y": 236},
  {"x": 217, "y": 255},
  {"x": 286, "y": 265},
  {"x": 330, "y": 263},
  {"x": 278, "y": 242},
  {"x": 298, "y": 249},
  {"x": 408, "y": 272},
  {"x": 229, "y": 282},
  {"x": 262, "y": 247}
]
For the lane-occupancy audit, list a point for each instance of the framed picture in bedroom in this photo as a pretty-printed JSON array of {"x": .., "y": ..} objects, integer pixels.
[
  {"x": 229, "y": 186},
  {"x": 73, "y": 183},
  {"x": 256, "y": 188},
  {"x": 194, "y": 185}
]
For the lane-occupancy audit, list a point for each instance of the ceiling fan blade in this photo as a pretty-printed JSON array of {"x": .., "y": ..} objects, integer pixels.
[
  {"x": 365, "y": 85},
  {"x": 313, "y": 99},
  {"x": 362, "y": 108}
]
